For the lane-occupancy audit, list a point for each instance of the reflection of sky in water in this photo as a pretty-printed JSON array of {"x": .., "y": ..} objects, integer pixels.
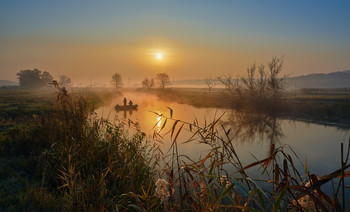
[{"x": 319, "y": 144}]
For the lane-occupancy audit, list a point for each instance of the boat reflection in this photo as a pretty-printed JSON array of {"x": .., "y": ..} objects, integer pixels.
[
  {"x": 126, "y": 109},
  {"x": 125, "y": 113}
]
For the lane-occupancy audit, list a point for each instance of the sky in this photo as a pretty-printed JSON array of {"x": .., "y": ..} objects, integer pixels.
[{"x": 89, "y": 40}]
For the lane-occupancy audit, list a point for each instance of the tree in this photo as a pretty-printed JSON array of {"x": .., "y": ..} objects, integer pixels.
[
  {"x": 46, "y": 78},
  {"x": 148, "y": 83},
  {"x": 262, "y": 90},
  {"x": 117, "y": 80},
  {"x": 33, "y": 79},
  {"x": 210, "y": 83},
  {"x": 64, "y": 80},
  {"x": 275, "y": 83},
  {"x": 163, "y": 80}
]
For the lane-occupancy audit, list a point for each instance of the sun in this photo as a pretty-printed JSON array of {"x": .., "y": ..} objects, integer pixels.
[{"x": 159, "y": 56}]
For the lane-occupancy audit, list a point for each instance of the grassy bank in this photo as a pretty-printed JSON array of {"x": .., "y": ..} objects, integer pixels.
[
  {"x": 19, "y": 103},
  {"x": 57, "y": 156}
]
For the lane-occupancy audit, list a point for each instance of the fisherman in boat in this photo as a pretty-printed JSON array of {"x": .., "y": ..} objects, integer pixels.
[
  {"x": 125, "y": 107},
  {"x": 64, "y": 91}
]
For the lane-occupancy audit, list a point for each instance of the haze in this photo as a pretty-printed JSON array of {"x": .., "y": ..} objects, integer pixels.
[{"x": 90, "y": 41}]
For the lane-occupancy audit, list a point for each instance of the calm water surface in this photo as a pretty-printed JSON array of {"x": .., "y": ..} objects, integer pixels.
[{"x": 319, "y": 144}]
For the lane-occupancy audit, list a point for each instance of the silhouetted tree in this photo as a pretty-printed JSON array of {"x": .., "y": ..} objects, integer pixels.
[
  {"x": 117, "y": 80},
  {"x": 33, "y": 79},
  {"x": 260, "y": 91},
  {"x": 46, "y": 78},
  {"x": 210, "y": 83},
  {"x": 163, "y": 80},
  {"x": 148, "y": 83},
  {"x": 275, "y": 83},
  {"x": 64, "y": 80}
]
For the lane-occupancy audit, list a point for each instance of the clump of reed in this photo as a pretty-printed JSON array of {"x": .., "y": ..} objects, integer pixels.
[
  {"x": 68, "y": 159},
  {"x": 210, "y": 184},
  {"x": 92, "y": 164}
]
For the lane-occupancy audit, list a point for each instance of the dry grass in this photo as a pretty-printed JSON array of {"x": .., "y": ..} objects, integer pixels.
[{"x": 206, "y": 184}]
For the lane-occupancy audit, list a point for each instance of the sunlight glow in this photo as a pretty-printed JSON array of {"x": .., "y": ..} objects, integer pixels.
[{"x": 159, "y": 56}]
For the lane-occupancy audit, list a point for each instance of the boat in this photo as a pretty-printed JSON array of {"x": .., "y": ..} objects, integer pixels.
[{"x": 125, "y": 107}]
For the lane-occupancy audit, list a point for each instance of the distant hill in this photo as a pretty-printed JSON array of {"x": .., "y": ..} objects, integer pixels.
[
  {"x": 7, "y": 83},
  {"x": 339, "y": 79},
  {"x": 190, "y": 83}
]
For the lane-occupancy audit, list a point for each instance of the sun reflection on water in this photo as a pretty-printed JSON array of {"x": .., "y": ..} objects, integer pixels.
[{"x": 159, "y": 122}]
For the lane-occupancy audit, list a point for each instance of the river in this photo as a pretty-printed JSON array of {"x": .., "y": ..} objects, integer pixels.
[{"x": 318, "y": 144}]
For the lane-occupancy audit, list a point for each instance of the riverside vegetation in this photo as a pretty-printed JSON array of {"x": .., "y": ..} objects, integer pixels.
[
  {"x": 261, "y": 90},
  {"x": 56, "y": 155}
]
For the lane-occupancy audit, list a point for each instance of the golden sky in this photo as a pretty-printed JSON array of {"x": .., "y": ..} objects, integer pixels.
[{"x": 90, "y": 41}]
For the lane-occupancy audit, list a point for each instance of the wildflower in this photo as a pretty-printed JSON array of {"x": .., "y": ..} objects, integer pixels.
[{"x": 163, "y": 190}]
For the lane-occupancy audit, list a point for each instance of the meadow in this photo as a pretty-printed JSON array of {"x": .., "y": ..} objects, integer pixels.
[{"x": 57, "y": 155}]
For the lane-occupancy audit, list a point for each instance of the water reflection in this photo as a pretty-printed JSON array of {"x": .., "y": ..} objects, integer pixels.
[
  {"x": 248, "y": 127},
  {"x": 126, "y": 112},
  {"x": 252, "y": 133}
]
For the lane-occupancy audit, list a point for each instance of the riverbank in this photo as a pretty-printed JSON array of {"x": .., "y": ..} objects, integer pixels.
[
  {"x": 19, "y": 103},
  {"x": 323, "y": 107}
]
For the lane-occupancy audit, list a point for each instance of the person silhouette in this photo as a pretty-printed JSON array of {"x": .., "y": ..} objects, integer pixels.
[
  {"x": 64, "y": 91},
  {"x": 124, "y": 101},
  {"x": 130, "y": 103}
]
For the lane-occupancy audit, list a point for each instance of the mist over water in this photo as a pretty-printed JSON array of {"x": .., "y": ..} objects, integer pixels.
[{"x": 252, "y": 134}]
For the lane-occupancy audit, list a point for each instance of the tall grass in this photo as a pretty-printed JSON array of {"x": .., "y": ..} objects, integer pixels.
[
  {"x": 79, "y": 162},
  {"x": 207, "y": 184},
  {"x": 93, "y": 164}
]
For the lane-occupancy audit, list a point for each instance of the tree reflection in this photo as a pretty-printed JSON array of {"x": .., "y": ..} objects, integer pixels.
[{"x": 250, "y": 126}]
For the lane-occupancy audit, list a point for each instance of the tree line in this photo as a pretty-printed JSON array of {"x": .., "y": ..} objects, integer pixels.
[
  {"x": 35, "y": 79},
  {"x": 161, "y": 80}
]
